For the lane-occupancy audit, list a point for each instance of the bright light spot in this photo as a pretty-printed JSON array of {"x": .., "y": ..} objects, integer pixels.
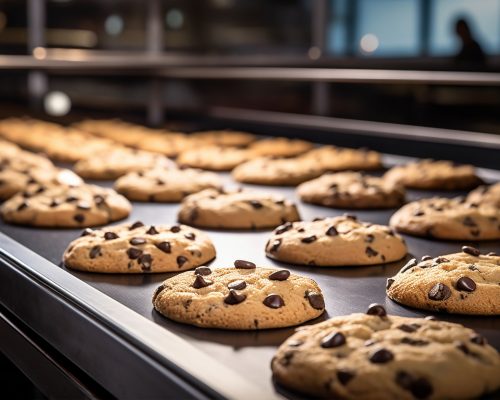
[
  {"x": 39, "y": 53},
  {"x": 314, "y": 53},
  {"x": 3, "y": 21},
  {"x": 369, "y": 43},
  {"x": 57, "y": 103},
  {"x": 174, "y": 18},
  {"x": 113, "y": 25}
]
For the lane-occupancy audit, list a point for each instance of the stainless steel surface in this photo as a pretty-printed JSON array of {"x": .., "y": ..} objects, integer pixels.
[
  {"x": 246, "y": 354},
  {"x": 379, "y": 129}
]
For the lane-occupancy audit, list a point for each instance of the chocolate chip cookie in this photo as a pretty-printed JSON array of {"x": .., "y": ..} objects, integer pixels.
[
  {"x": 65, "y": 206},
  {"x": 236, "y": 209},
  {"x": 351, "y": 190},
  {"x": 332, "y": 158},
  {"x": 431, "y": 174},
  {"x": 461, "y": 283},
  {"x": 280, "y": 147},
  {"x": 165, "y": 185},
  {"x": 244, "y": 297},
  {"x": 138, "y": 248},
  {"x": 336, "y": 241},
  {"x": 279, "y": 172},
  {"x": 379, "y": 356},
  {"x": 454, "y": 219},
  {"x": 213, "y": 158}
]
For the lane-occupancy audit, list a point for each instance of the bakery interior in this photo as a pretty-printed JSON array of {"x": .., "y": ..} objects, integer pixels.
[{"x": 252, "y": 126}]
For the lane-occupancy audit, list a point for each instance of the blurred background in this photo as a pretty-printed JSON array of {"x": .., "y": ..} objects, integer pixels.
[{"x": 154, "y": 60}]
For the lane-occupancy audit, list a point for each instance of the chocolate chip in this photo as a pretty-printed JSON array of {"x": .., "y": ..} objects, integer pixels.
[
  {"x": 420, "y": 388},
  {"x": 242, "y": 264},
  {"x": 351, "y": 216},
  {"x": 200, "y": 282},
  {"x": 465, "y": 284},
  {"x": 79, "y": 218},
  {"x": 344, "y": 376},
  {"x": 152, "y": 231},
  {"x": 463, "y": 347},
  {"x": 237, "y": 285},
  {"x": 95, "y": 252},
  {"x": 234, "y": 297},
  {"x": 369, "y": 238},
  {"x": 308, "y": 239},
  {"x": 86, "y": 232},
  {"x": 426, "y": 258},
  {"x": 158, "y": 290},
  {"x": 175, "y": 229},
  {"x": 471, "y": 250},
  {"x": 136, "y": 225},
  {"x": 83, "y": 206},
  {"x": 71, "y": 199},
  {"x": 281, "y": 275},
  {"x": 418, "y": 213},
  {"x": 164, "y": 246},
  {"x": 441, "y": 260},
  {"x": 181, "y": 260},
  {"x": 256, "y": 204},
  {"x": 468, "y": 221},
  {"x": 110, "y": 236},
  {"x": 283, "y": 228},
  {"x": 414, "y": 342},
  {"x": 136, "y": 241},
  {"x": 133, "y": 253},
  {"x": 98, "y": 199},
  {"x": 478, "y": 339},
  {"x": 190, "y": 236},
  {"x": 54, "y": 203},
  {"x": 275, "y": 245},
  {"x": 203, "y": 270},
  {"x": 409, "y": 328},
  {"x": 389, "y": 283},
  {"x": 22, "y": 206},
  {"x": 370, "y": 252},
  {"x": 145, "y": 260},
  {"x": 376, "y": 309},
  {"x": 316, "y": 300},
  {"x": 439, "y": 292},
  {"x": 381, "y": 356},
  {"x": 410, "y": 264},
  {"x": 472, "y": 267},
  {"x": 332, "y": 231},
  {"x": 491, "y": 253},
  {"x": 274, "y": 301},
  {"x": 334, "y": 339}
]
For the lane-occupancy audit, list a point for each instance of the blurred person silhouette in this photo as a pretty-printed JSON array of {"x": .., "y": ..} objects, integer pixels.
[{"x": 471, "y": 55}]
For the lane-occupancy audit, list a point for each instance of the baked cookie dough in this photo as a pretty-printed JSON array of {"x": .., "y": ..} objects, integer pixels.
[
  {"x": 336, "y": 241},
  {"x": 138, "y": 248},
  {"x": 431, "y": 174},
  {"x": 65, "y": 206},
  {"x": 378, "y": 356},
  {"x": 236, "y": 209},
  {"x": 244, "y": 297},
  {"x": 165, "y": 185},
  {"x": 453, "y": 219},
  {"x": 351, "y": 190},
  {"x": 485, "y": 194},
  {"x": 332, "y": 158},
  {"x": 280, "y": 147},
  {"x": 225, "y": 137},
  {"x": 460, "y": 283},
  {"x": 213, "y": 158},
  {"x": 113, "y": 163},
  {"x": 278, "y": 172}
]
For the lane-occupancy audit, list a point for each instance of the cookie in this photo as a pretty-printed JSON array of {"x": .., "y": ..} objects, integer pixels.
[
  {"x": 453, "y": 219},
  {"x": 236, "y": 209},
  {"x": 278, "y": 172},
  {"x": 336, "y": 241},
  {"x": 431, "y": 174},
  {"x": 226, "y": 137},
  {"x": 112, "y": 164},
  {"x": 380, "y": 356},
  {"x": 485, "y": 194},
  {"x": 137, "y": 248},
  {"x": 244, "y": 297},
  {"x": 331, "y": 158},
  {"x": 280, "y": 147},
  {"x": 213, "y": 158},
  {"x": 23, "y": 161},
  {"x": 65, "y": 206},
  {"x": 8, "y": 149},
  {"x": 351, "y": 190},
  {"x": 165, "y": 185},
  {"x": 460, "y": 283},
  {"x": 13, "y": 181}
]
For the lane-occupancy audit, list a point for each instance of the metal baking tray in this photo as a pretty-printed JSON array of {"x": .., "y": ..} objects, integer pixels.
[{"x": 227, "y": 364}]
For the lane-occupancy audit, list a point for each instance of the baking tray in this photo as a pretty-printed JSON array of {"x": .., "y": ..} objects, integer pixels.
[{"x": 347, "y": 290}]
